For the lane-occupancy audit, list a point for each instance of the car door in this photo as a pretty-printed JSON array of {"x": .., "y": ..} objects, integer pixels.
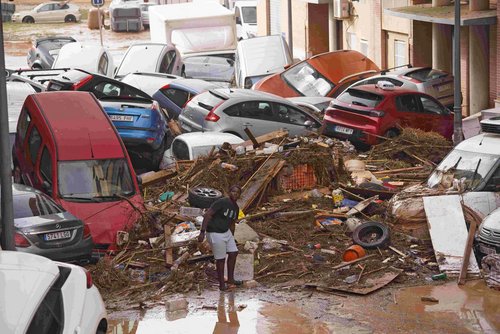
[
  {"x": 294, "y": 120},
  {"x": 44, "y": 13},
  {"x": 32, "y": 144},
  {"x": 409, "y": 112},
  {"x": 254, "y": 115},
  {"x": 438, "y": 118},
  {"x": 174, "y": 100}
]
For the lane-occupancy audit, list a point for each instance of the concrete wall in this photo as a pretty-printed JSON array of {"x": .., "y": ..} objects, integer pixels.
[{"x": 262, "y": 17}]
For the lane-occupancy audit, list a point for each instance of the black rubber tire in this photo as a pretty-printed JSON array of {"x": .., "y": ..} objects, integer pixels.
[
  {"x": 28, "y": 19},
  {"x": 391, "y": 133},
  {"x": 377, "y": 232},
  {"x": 70, "y": 19},
  {"x": 203, "y": 197}
]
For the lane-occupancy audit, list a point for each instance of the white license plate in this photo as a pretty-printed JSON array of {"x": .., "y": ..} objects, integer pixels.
[
  {"x": 343, "y": 130},
  {"x": 57, "y": 235},
  {"x": 487, "y": 249},
  {"x": 122, "y": 118}
]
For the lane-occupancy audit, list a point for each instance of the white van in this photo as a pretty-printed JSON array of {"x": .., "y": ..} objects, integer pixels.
[
  {"x": 259, "y": 57},
  {"x": 245, "y": 13},
  {"x": 92, "y": 58},
  {"x": 189, "y": 146}
]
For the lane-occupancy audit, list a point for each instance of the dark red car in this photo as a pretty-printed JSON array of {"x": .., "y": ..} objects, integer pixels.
[{"x": 364, "y": 113}]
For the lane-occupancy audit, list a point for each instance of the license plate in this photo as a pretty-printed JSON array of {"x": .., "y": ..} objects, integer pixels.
[
  {"x": 122, "y": 118},
  {"x": 57, "y": 235},
  {"x": 487, "y": 249},
  {"x": 343, "y": 130}
]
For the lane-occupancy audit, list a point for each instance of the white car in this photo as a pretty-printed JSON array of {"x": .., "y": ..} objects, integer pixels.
[
  {"x": 89, "y": 57},
  {"x": 189, "y": 146},
  {"x": 49, "y": 12},
  {"x": 43, "y": 296}
]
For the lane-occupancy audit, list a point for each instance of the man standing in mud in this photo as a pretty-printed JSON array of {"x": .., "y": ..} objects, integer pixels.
[{"x": 219, "y": 223}]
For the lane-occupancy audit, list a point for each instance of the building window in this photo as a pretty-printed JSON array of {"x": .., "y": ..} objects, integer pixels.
[
  {"x": 352, "y": 41},
  {"x": 363, "y": 45},
  {"x": 400, "y": 53}
]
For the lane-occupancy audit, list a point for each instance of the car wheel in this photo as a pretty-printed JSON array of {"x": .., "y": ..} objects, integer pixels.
[
  {"x": 203, "y": 197},
  {"x": 391, "y": 133},
  {"x": 70, "y": 19},
  {"x": 371, "y": 235},
  {"x": 28, "y": 19}
]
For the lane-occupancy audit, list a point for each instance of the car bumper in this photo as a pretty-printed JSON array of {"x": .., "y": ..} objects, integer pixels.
[
  {"x": 356, "y": 136},
  {"x": 77, "y": 253},
  {"x": 139, "y": 138},
  {"x": 486, "y": 248}
]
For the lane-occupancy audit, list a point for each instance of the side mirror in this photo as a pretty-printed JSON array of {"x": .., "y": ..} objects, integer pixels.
[
  {"x": 47, "y": 187},
  {"x": 308, "y": 124}
]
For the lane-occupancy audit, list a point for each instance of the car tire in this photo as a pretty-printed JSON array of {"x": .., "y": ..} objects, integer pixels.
[
  {"x": 203, "y": 197},
  {"x": 371, "y": 235},
  {"x": 70, "y": 19},
  {"x": 28, "y": 19},
  {"x": 391, "y": 133}
]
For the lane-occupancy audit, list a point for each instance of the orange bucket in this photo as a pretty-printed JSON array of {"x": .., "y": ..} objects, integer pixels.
[{"x": 352, "y": 253}]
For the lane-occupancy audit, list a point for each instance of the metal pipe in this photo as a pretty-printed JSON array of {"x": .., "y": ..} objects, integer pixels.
[
  {"x": 290, "y": 33},
  {"x": 7, "y": 209},
  {"x": 457, "y": 103}
]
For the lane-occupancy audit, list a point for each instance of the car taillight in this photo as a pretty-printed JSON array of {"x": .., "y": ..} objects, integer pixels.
[
  {"x": 329, "y": 112},
  {"x": 89, "y": 278},
  {"x": 20, "y": 240},
  {"x": 212, "y": 117},
  {"x": 77, "y": 85},
  {"x": 150, "y": 140},
  {"x": 86, "y": 231},
  {"x": 376, "y": 113}
]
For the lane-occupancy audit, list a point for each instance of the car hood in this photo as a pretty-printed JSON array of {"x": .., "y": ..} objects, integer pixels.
[
  {"x": 106, "y": 218},
  {"x": 492, "y": 221},
  {"x": 276, "y": 85},
  {"x": 24, "y": 280}
]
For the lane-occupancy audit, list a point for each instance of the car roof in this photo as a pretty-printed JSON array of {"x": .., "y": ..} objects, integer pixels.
[
  {"x": 240, "y": 93},
  {"x": 197, "y": 85},
  {"x": 79, "y": 55},
  {"x": 194, "y": 139},
  {"x": 25, "y": 279},
  {"x": 81, "y": 128},
  {"x": 486, "y": 143},
  {"x": 16, "y": 95}
]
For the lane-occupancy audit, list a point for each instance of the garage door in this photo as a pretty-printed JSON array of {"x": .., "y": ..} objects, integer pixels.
[{"x": 275, "y": 14}]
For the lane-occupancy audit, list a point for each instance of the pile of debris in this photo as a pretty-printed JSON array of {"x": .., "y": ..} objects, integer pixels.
[{"x": 315, "y": 215}]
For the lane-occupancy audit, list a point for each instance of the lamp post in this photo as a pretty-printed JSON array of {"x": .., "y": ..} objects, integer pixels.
[
  {"x": 7, "y": 209},
  {"x": 457, "y": 101}
]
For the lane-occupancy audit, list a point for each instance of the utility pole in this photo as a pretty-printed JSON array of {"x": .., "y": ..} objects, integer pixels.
[
  {"x": 290, "y": 27},
  {"x": 457, "y": 101},
  {"x": 7, "y": 209}
]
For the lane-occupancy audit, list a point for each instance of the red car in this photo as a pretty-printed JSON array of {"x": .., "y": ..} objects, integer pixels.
[
  {"x": 364, "y": 113},
  {"x": 326, "y": 74}
]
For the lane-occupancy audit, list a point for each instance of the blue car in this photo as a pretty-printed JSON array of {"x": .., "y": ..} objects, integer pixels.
[
  {"x": 141, "y": 123},
  {"x": 174, "y": 95}
]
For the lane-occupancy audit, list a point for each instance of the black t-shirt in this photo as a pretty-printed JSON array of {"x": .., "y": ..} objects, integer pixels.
[{"x": 225, "y": 211}]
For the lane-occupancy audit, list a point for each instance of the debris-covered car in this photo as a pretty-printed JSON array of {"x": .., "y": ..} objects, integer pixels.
[
  {"x": 44, "y": 228},
  {"x": 44, "y": 50},
  {"x": 67, "y": 147},
  {"x": 488, "y": 236},
  {"x": 367, "y": 113},
  {"x": 233, "y": 110},
  {"x": 44, "y": 296}
]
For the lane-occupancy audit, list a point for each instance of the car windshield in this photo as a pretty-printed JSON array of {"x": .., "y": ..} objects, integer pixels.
[
  {"x": 95, "y": 180},
  {"x": 360, "y": 98},
  {"x": 426, "y": 74},
  {"x": 33, "y": 204},
  {"x": 249, "y": 14},
  {"x": 309, "y": 82},
  {"x": 472, "y": 166}
]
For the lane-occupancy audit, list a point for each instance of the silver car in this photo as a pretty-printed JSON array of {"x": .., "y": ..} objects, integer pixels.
[
  {"x": 234, "y": 110},
  {"x": 42, "y": 227},
  {"x": 436, "y": 83}
]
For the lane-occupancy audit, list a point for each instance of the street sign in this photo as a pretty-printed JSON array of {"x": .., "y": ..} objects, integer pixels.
[{"x": 97, "y": 3}]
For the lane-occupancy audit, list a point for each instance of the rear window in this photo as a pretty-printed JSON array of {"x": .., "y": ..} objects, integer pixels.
[
  {"x": 180, "y": 150},
  {"x": 360, "y": 98},
  {"x": 426, "y": 74},
  {"x": 31, "y": 205},
  {"x": 207, "y": 100}
]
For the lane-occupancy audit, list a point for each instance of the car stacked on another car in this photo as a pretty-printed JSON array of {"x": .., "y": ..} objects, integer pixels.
[
  {"x": 234, "y": 110},
  {"x": 364, "y": 114},
  {"x": 49, "y": 12},
  {"x": 43, "y": 227},
  {"x": 434, "y": 82},
  {"x": 314, "y": 104},
  {"x": 137, "y": 117},
  {"x": 44, "y": 50}
]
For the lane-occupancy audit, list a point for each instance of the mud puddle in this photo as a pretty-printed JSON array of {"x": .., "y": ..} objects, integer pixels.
[{"x": 472, "y": 308}]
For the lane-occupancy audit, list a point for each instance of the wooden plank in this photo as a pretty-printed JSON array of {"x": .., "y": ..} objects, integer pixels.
[
  {"x": 448, "y": 233},
  {"x": 392, "y": 171},
  {"x": 152, "y": 178},
  {"x": 467, "y": 252},
  {"x": 278, "y": 134},
  {"x": 251, "y": 137},
  {"x": 169, "y": 258}
]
